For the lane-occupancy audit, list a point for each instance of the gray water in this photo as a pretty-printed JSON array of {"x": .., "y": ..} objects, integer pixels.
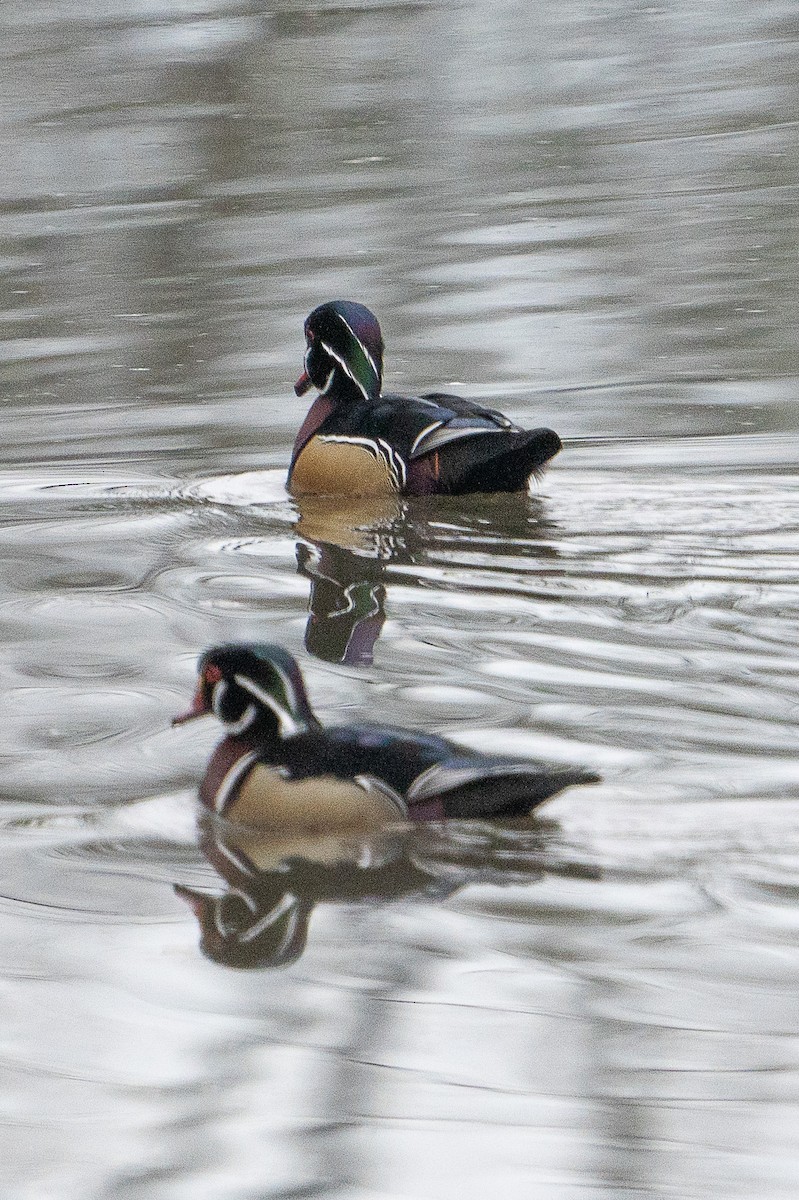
[{"x": 584, "y": 214}]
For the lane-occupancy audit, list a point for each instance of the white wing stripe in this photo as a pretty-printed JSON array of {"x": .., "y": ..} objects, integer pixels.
[
  {"x": 428, "y": 429},
  {"x": 443, "y": 436}
]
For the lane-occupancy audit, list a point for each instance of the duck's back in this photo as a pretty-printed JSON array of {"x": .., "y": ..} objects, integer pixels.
[
  {"x": 395, "y": 756},
  {"x": 434, "y": 443},
  {"x": 434, "y": 778}
]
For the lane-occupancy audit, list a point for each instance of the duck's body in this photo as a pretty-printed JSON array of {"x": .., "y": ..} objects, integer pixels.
[
  {"x": 357, "y": 440},
  {"x": 280, "y": 768}
]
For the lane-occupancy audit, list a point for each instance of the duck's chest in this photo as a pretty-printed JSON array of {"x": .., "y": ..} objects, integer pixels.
[{"x": 344, "y": 464}]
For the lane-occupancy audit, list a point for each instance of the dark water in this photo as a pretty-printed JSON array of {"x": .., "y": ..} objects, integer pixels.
[{"x": 585, "y": 214}]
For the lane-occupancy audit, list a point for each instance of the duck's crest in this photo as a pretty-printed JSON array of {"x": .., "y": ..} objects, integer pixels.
[
  {"x": 280, "y": 688},
  {"x": 348, "y": 336}
]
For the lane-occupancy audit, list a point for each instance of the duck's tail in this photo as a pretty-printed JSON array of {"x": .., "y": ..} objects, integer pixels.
[
  {"x": 512, "y": 795},
  {"x": 495, "y": 462},
  {"x": 481, "y": 788}
]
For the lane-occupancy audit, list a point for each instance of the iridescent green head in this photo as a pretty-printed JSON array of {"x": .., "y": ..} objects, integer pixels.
[
  {"x": 255, "y": 690},
  {"x": 344, "y": 350}
]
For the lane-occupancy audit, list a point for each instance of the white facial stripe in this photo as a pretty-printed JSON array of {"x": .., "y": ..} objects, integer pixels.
[
  {"x": 369, "y": 358},
  {"x": 233, "y": 727},
  {"x": 345, "y": 368},
  {"x": 326, "y": 388},
  {"x": 244, "y": 722},
  {"x": 288, "y": 725}
]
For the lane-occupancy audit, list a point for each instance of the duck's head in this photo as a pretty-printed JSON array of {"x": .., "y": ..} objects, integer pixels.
[
  {"x": 256, "y": 691},
  {"x": 344, "y": 352}
]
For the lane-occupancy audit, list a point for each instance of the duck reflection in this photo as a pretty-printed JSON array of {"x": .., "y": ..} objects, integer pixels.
[
  {"x": 346, "y": 548},
  {"x": 347, "y": 603},
  {"x": 273, "y": 883},
  {"x": 343, "y": 551},
  {"x": 299, "y": 812}
]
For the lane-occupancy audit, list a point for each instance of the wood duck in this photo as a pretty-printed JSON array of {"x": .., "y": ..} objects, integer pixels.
[
  {"x": 279, "y": 768},
  {"x": 358, "y": 440}
]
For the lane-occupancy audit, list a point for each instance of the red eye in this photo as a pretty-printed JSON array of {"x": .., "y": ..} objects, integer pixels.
[{"x": 212, "y": 675}]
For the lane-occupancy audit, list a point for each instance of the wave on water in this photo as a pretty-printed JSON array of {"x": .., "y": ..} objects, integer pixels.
[{"x": 246, "y": 489}]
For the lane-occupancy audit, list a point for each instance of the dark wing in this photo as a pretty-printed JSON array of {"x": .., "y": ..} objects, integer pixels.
[
  {"x": 446, "y": 444},
  {"x": 416, "y": 425},
  {"x": 424, "y": 768},
  {"x": 454, "y": 417},
  {"x": 395, "y": 756},
  {"x": 478, "y": 787},
  {"x": 466, "y": 447}
]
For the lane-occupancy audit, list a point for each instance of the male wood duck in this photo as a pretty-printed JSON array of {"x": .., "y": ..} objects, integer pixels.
[
  {"x": 358, "y": 440},
  {"x": 278, "y": 767}
]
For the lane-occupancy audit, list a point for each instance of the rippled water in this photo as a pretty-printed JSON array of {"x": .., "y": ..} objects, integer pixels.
[{"x": 586, "y": 215}]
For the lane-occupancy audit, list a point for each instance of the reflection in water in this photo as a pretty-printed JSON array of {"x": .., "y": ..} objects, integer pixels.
[
  {"x": 598, "y": 204},
  {"x": 347, "y": 603},
  {"x": 345, "y": 547},
  {"x": 348, "y": 547},
  {"x": 302, "y": 799},
  {"x": 375, "y": 526},
  {"x": 274, "y": 881}
]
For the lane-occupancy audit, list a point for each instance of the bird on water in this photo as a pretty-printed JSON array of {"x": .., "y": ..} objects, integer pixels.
[
  {"x": 278, "y": 767},
  {"x": 358, "y": 440}
]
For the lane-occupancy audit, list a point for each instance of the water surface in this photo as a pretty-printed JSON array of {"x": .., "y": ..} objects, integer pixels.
[{"x": 585, "y": 215}]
